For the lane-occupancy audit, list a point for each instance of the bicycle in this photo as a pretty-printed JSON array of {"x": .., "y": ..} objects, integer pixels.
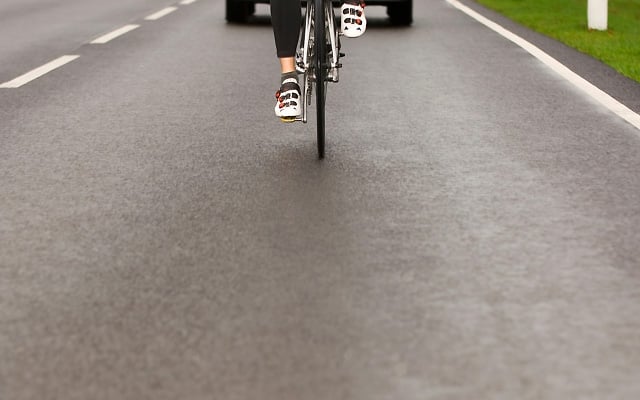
[{"x": 318, "y": 60}]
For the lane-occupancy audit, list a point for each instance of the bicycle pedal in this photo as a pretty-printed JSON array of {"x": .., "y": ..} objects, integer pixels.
[{"x": 342, "y": 55}]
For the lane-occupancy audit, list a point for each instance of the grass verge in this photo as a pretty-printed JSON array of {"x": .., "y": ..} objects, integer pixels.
[{"x": 566, "y": 21}]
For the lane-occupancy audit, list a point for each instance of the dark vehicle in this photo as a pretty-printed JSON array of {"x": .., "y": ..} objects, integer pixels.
[{"x": 400, "y": 11}]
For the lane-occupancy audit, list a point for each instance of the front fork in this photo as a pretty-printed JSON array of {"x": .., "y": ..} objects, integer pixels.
[{"x": 334, "y": 44}]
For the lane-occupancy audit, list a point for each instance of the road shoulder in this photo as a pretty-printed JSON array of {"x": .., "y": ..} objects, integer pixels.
[{"x": 623, "y": 89}]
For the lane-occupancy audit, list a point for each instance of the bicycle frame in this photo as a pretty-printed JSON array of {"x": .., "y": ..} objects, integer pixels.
[{"x": 305, "y": 56}]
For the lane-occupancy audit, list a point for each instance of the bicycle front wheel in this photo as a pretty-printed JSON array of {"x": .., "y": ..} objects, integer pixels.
[{"x": 320, "y": 70}]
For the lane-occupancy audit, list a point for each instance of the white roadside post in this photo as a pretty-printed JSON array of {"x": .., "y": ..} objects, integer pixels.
[{"x": 597, "y": 14}]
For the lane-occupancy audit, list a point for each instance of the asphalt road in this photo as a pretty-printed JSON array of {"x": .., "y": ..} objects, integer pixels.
[{"x": 472, "y": 234}]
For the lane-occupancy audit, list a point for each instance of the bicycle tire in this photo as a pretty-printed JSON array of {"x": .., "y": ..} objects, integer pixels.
[{"x": 321, "y": 72}]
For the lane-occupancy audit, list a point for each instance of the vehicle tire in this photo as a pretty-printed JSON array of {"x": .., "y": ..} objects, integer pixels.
[
  {"x": 239, "y": 11},
  {"x": 321, "y": 71},
  {"x": 401, "y": 14}
]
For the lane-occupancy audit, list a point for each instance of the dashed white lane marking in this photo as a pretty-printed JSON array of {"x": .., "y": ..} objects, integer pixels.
[
  {"x": 112, "y": 35},
  {"x": 584, "y": 85},
  {"x": 59, "y": 62},
  {"x": 161, "y": 13},
  {"x": 38, "y": 72}
]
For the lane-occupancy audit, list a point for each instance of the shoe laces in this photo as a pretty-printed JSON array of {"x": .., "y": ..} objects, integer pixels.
[
  {"x": 352, "y": 11},
  {"x": 288, "y": 99}
]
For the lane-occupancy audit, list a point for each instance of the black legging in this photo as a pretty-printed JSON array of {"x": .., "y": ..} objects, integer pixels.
[{"x": 286, "y": 18}]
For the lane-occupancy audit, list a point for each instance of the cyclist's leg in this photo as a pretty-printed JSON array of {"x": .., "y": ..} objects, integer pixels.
[{"x": 286, "y": 19}]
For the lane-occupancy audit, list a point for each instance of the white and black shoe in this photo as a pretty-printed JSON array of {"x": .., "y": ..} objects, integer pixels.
[
  {"x": 353, "y": 23},
  {"x": 288, "y": 106}
]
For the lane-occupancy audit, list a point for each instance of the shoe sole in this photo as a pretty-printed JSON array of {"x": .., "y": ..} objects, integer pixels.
[
  {"x": 288, "y": 119},
  {"x": 352, "y": 36}
]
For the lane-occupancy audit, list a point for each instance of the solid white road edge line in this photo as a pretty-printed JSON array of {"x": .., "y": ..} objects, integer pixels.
[
  {"x": 112, "y": 35},
  {"x": 187, "y": 2},
  {"x": 584, "y": 85},
  {"x": 161, "y": 13},
  {"x": 38, "y": 72}
]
